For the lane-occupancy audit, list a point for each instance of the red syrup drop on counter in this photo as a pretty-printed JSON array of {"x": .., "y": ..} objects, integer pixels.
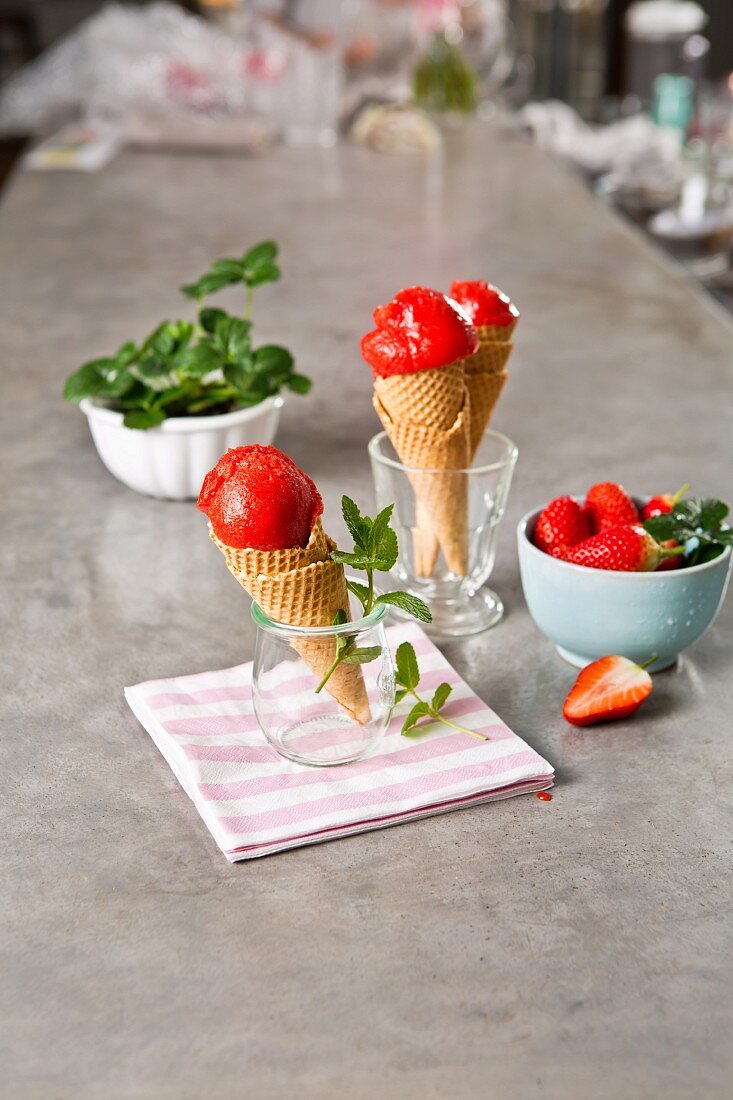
[{"x": 544, "y": 796}]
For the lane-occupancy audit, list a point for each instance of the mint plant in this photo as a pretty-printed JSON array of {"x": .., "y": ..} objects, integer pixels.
[
  {"x": 408, "y": 679},
  {"x": 196, "y": 368},
  {"x": 375, "y": 551},
  {"x": 697, "y": 524}
]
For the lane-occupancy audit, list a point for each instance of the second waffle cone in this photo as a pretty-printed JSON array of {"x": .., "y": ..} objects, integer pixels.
[{"x": 427, "y": 416}]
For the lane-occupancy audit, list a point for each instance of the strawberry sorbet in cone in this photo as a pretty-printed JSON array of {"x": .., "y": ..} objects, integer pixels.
[
  {"x": 495, "y": 319},
  {"x": 417, "y": 354},
  {"x": 264, "y": 515}
]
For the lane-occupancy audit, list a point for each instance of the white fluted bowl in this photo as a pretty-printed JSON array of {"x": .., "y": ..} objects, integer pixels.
[{"x": 171, "y": 460}]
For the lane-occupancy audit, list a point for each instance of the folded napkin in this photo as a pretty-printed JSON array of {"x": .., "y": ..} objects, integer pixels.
[{"x": 254, "y": 802}]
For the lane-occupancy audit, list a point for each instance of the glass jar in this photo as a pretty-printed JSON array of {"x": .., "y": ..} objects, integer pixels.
[
  {"x": 459, "y": 602},
  {"x": 312, "y": 709}
]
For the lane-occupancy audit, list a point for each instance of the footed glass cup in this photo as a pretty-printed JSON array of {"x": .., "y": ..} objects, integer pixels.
[
  {"x": 457, "y": 600},
  {"x": 343, "y": 720}
]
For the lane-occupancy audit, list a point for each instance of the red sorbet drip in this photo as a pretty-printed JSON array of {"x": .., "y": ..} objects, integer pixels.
[
  {"x": 418, "y": 330},
  {"x": 485, "y": 304},
  {"x": 257, "y": 498},
  {"x": 544, "y": 796}
]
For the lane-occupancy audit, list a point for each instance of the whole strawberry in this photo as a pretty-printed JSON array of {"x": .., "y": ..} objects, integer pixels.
[
  {"x": 562, "y": 523},
  {"x": 609, "y": 505},
  {"x": 624, "y": 549},
  {"x": 662, "y": 504}
]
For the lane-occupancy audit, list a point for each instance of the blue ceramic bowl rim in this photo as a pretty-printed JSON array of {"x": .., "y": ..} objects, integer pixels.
[{"x": 652, "y": 577}]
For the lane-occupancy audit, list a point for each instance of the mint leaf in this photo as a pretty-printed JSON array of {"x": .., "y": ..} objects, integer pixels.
[
  {"x": 408, "y": 673},
  {"x": 687, "y": 512},
  {"x": 359, "y": 561},
  {"x": 87, "y": 381},
  {"x": 380, "y": 526},
  {"x": 413, "y": 605},
  {"x": 662, "y": 527},
  {"x": 274, "y": 360},
  {"x": 143, "y": 418},
  {"x": 298, "y": 383},
  {"x": 259, "y": 264},
  {"x": 201, "y": 360},
  {"x": 209, "y": 318},
  {"x": 339, "y": 618},
  {"x": 126, "y": 354},
  {"x": 363, "y": 655},
  {"x": 231, "y": 336},
  {"x": 420, "y": 710},
  {"x": 354, "y": 522},
  {"x": 440, "y": 696},
  {"x": 238, "y": 377},
  {"x": 361, "y": 591},
  {"x": 712, "y": 513},
  {"x": 386, "y": 555},
  {"x": 400, "y": 694}
]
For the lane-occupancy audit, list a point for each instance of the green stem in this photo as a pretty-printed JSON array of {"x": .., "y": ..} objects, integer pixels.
[
  {"x": 334, "y": 665},
  {"x": 248, "y": 301},
  {"x": 370, "y": 594},
  {"x": 455, "y": 725},
  {"x": 438, "y": 717}
]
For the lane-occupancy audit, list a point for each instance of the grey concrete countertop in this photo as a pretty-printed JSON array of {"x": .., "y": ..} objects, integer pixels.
[{"x": 579, "y": 948}]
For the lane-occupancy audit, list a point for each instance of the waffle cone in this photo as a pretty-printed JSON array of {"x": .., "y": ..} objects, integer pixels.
[
  {"x": 441, "y": 492},
  {"x": 304, "y": 587},
  {"x": 433, "y": 398},
  {"x": 499, "y": 334},
  {"x": 486, "y": 375},
  {"x": 485, "y": 391},
  {"x": 490, "y": 358}
]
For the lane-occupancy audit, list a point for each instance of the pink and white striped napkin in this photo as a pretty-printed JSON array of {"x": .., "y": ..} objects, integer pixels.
[{"x": 254, "y": 802}]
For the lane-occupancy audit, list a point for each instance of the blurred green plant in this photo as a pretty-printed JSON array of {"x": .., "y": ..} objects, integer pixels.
[
  {"x": 443, "y": 80},
  {"x": 197, "y": 368}
]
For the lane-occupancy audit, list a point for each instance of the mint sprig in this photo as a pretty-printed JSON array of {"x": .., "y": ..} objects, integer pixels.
[
  {"x": 408, "y": 679},
  {"x": 697, "y": 525},
  {"x": 375, "y": 551},
  {"x": 194, "y": 369}
]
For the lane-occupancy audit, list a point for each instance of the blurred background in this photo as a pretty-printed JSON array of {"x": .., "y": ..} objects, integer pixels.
[{"x": 635, "y": 95}]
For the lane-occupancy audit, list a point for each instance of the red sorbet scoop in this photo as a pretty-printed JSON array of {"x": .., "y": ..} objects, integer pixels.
[
  {"x": 485, "y": 304},
  {"x": 257, "y": 498},
  {"x": 417, "y": 330}
]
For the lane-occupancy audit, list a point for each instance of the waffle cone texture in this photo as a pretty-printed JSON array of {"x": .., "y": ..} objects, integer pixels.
[
  {"x": 427, "y": 417},
  {"x": 486, "y": 376},
  {"x": 304, "y": 587}
]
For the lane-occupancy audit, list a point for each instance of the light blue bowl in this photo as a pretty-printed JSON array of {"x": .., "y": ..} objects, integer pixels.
[{"x": 590, "y": 613}]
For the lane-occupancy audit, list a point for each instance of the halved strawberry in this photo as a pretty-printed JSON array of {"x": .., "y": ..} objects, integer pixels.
[{"x": 611, "y": 687}]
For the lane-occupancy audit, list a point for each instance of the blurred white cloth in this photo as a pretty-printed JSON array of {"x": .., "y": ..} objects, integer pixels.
[{"x": 632, "y": 144}]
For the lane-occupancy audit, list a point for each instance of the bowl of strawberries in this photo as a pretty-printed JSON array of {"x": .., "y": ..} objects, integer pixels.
[{"x": 642, "y": 577}]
